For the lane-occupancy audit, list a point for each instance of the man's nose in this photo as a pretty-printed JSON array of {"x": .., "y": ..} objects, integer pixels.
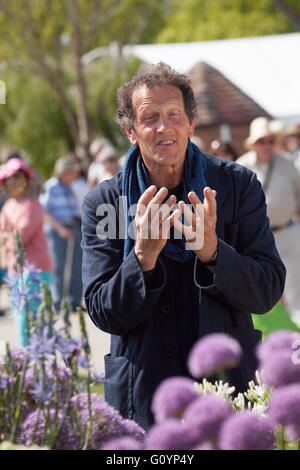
[{"x": 163, "y": 123}]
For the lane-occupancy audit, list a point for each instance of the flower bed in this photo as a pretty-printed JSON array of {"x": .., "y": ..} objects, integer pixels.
[{"x": 46, "y": 398}]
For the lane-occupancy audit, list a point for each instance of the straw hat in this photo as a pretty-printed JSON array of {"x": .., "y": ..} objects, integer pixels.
[
  {"x": 12, "y": 166},
  {"x": 293, "y": 129},
  {"x": 259, "y": 128},
  {"x": 65, "y": 164}
]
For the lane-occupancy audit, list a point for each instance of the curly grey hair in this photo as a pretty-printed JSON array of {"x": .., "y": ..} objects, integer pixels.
[{"x": 152, "y": 76}]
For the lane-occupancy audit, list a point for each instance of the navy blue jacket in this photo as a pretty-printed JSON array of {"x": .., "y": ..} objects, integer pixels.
[{"x": 154, "y": 323}]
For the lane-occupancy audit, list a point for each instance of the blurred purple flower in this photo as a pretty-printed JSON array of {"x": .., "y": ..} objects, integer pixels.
[
  {"x": 105, "y": 419},
  {"x": 169, "y": 435},
  {"x": 128, "y": 427},
  {"x": 172, "y": 397},
  {"x": 247, "y": 431},
  {"x": 213, "y": 353},
  {"x": 284, "y": 406},
  {"x": 42, "y": 392},
  {"x": 66, "y": 440},
  {"x": 97, "y": 377},
  {"x": 41, "y": 345},
  {"x": 276, "y": 341},
  {"x": 205, "y": 416},
  {"x": 278, "y": 369},
  {"x": 122, "y": 443}
]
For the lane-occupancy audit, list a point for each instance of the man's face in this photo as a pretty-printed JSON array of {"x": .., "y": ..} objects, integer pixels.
[
  {"x": 161, "y": 127},
  {"x": 265, "y": 148}
]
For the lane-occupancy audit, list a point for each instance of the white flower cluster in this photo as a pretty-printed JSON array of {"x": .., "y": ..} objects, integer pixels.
[{"x": 255, "y": 399}]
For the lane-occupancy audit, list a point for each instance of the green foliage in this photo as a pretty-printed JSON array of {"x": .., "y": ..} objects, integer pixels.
[
  {"x": 32, "y": 120},
  {"x": 203, "y": 20}
]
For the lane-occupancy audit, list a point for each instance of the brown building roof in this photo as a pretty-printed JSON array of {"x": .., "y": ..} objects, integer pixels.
[{"x": 219, "y": 100}]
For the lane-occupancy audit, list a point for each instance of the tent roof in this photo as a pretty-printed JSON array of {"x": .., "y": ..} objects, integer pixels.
[
  {"x": 219, "y": 100},
  {"x": 267, "y": 68}
]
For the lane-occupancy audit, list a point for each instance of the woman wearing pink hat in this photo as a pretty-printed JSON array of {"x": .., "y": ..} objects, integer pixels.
[{"x": 22, "y": 212}]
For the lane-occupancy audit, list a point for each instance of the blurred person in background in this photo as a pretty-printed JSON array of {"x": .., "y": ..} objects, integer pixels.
[
  {"x": 22, "y": 212},
  {"x": 281, "y": 184},
  {"x": 110, "y": 162},
  {"x": 292, "y": 140},
  {"x": 96, "y": 170},
  {"x": 222, "y": 149},
  {"x": 80, "y": 186},
  {"x": 63, "y": 232}
]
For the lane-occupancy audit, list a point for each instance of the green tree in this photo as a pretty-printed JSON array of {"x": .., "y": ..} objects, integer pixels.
[
  {"x": 50, "y": 38},
  {"x": 202, "y": 20}
]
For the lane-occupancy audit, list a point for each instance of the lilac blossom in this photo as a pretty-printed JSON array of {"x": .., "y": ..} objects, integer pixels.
[
  {"x": 169, "y": 435},
  {"x": 122, "y": 443},
  {"x": 247, "y": 431},
  {"x": 276, "y": 341},
  {"x": 205, "y": 416},
  {"x": 171, "y": 398},
  {"x": 214, "y": 352},
  {"x": 278, "y": 369},
  {"x": 284, "y": 406}
]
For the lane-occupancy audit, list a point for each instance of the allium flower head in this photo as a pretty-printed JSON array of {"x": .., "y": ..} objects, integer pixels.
[
  {"x": 246, "y": 431},
  {"x": 122, "y": 443},
  {"x": 171, "y": 398},
  {"x": 105, "y": 419},
  {"x": 284, "y": 406},
  {"x": 129, "y": 428},
  {"x": 276, "y": 341},
  {"x": 212, "y": 353},
  {"x": 169, "y": 435},
  {"x": 205, "y": 416},
  {"x": 33, "y": 430},
  {"x": 278, "y": 369}
]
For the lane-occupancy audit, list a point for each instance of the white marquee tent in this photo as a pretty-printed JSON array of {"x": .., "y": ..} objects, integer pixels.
[{"x": 267, "y": 68}]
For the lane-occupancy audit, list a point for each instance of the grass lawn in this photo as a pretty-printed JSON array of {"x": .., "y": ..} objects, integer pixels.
[{"x": 277, "y": 319}]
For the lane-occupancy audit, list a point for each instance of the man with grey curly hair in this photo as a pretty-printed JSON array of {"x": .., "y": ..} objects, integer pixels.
[{"x": 188, "y": 252}]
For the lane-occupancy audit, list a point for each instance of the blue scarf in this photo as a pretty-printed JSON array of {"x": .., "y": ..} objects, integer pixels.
[{"x": 136, "y": 180}]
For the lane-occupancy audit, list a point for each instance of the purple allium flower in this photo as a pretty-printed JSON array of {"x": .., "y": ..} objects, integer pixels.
[
  {"x": 130, "y": 428},
  {"x": 284, "y": 406},
  {"x": 169, "y": 435},
  {"x": 276, "y": 341},
  {"x": 278, "y": 369},
  {"x": 246, "y": 431},
  {"x": 205, "y": 416},
  {"x": 66, "y": 440},
  {"x": 212, "y": 353},
  {"x": 172, "y": 397},
  {"x": 105, "y": 419},
  {"x": 122, "y": 443}
]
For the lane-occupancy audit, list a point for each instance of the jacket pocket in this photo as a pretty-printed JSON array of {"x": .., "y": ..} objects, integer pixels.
[{"x": 118, "y": 384}]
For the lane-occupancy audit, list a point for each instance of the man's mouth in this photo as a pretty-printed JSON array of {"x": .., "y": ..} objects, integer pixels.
[{"x": 165, "y": 143}]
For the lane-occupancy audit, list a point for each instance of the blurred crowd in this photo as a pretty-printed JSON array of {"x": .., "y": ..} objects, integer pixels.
[{"x": 47, "y": 214}]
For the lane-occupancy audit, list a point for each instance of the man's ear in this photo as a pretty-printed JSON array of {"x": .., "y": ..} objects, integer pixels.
[
  {"x": 192, "y": 127},
  {"x": 131, "y": 135}
]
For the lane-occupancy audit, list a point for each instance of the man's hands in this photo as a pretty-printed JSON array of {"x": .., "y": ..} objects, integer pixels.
[
  {"x": 205, "y": 215},
  {"x": 153, "y": 221}
]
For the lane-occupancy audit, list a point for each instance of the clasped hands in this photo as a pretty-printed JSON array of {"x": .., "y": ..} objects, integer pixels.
[{"x": 154, "y": 218}]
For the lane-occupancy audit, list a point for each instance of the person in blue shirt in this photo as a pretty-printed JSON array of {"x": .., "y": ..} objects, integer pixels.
[
  {"x": 63, "y": 231},
  {"x": 155, "y": 292}
]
